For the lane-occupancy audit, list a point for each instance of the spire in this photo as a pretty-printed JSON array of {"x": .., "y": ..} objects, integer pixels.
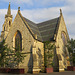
[
  {"x": 9, "y": 10},
  {"x": 60, "y": 12}
]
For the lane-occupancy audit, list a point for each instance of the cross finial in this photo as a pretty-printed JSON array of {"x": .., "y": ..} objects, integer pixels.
[
  {"x": 18, "y": 8},
  {"x": 60, "y": 12}
]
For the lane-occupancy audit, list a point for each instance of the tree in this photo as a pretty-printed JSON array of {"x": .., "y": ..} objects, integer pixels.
[
  {"x": 8, "y": 57},
  {"x": 71, "y": 50},
  {"x": 3, "y": 49},
  {"x": 18, "y": 57},
  {"x": 49, "y": 49}
]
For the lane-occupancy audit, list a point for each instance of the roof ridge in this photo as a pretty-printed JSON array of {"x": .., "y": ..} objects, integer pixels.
[
  {"x": 47, "y": 20},
  {"x": 40, "y": 22}
]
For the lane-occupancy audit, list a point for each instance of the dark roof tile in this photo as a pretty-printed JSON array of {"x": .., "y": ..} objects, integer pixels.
[{"x": 45, "y": 30}]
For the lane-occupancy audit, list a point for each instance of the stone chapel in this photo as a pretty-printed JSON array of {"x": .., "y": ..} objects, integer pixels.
[{"x": 32, "y": 37}]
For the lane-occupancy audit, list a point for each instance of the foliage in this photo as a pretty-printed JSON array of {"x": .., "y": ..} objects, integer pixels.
[
  {"x": 71, "y": 49},
  {"x": 18, "y": 56},
  {"x": 49, "y": 54},
  {"x": 8, "y": 57},
  {"x": 3, "y": 49}
]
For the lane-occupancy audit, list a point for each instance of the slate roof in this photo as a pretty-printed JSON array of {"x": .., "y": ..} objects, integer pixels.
[
  {"x": 34, "y": 29},
  {"x": 48, "y": 29},
  {"x": 45, "y": 31}
]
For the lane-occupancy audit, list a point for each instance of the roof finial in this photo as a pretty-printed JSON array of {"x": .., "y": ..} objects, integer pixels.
[
  {"x": 18, "y": 8},
  {"x": 9, "y": 2},
  {"x": 9, "y": 10},
  {"x": 60, "y": 12}
]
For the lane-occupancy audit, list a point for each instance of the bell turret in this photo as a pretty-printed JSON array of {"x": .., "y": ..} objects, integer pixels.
[{"x": 8, "y": 22}]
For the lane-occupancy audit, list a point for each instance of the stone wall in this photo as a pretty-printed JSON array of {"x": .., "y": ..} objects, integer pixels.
[
  {"x": 62, "y": 58},
  {"x": 27, "y": 43}
]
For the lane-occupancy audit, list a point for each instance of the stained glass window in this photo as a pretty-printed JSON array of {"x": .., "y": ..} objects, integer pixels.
[{"x": 18, "y": 41}]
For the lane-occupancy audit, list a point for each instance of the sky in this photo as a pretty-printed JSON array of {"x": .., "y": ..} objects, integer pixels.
[{"x": 41, "y": 10}]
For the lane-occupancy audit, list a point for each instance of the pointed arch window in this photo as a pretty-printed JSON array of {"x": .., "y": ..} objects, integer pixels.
[
  {"x": 4, "y": 28},
  {"x": 18, "y": 41},
  {"x": 64, "y": 37},
  {"x": 9, "y": 23}
]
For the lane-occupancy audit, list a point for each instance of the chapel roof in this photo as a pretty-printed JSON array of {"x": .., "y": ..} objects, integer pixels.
[{"x": 45, "y": 30}]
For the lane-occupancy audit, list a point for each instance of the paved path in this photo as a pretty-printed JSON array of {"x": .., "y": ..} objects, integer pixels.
[{"x": 54, "y": 73}]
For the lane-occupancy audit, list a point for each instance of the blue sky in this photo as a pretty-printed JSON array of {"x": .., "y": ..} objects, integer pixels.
[
  {"x": 41, "y": 10},
  {"x": 33, "y": 4}
]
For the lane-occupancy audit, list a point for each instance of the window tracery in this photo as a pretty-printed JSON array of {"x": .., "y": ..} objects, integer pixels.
[{"x": 18, "y": 41}]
